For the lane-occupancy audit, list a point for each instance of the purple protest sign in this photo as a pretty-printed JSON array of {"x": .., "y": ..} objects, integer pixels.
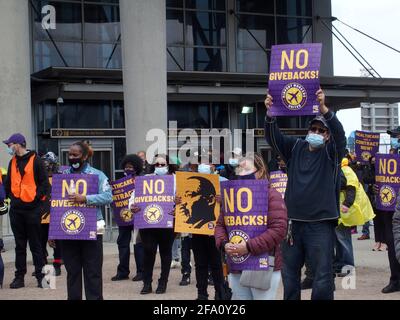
[
  {"x": 366, "y": 145},
  {"x": 387, "y": 175},
  {"x": 294, "y": 79},
  {"x": 245, "y": 204},
  {"x": 122, "y": 190},
  {"x": 69, "y": 220},
  {"x": 278, "y": 181},
  {"x": 154, "y": 195}
]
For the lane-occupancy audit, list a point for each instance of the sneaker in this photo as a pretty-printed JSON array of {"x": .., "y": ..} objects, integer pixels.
[
  {"x": 363, "y": 237},
  {"x": 138, "y": 277},
  {"x": 185, "y": 280},
  {"x": 146, "y": 289},
  {"x": 391, "y": 287},
  {"x": 162, "y": 287},
  {"x": 175, "y": 264},
  {"x": 306, "y": 284},
  {"x": 119, "y": 278},
  {"x": 17, "y": 283}
]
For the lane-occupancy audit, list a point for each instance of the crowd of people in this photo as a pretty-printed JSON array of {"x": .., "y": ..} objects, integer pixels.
[{"x": 301, "y": 232}]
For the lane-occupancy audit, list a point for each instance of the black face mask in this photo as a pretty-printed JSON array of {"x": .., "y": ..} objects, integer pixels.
[
  {"x": 75, "y": 163},
  {"x": 130, "y": 172}
]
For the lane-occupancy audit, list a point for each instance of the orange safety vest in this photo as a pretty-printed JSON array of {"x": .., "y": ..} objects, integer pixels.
[{"x": 23, "y": 188}]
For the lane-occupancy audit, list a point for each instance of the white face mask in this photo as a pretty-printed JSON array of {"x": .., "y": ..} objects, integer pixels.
[
  {"x": 161, "y": 171},
  {"x": 204, "y": 168},
  {"x": 234, "y": 162}
]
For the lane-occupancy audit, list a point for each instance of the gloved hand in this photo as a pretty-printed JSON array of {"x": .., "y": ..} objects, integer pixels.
[{"x": 3, "y": 208}]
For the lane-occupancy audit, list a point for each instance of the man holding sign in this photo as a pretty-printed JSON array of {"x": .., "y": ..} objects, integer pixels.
[{"x": 312, "y": 197}]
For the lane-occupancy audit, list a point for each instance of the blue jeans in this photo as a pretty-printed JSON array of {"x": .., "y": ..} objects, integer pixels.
[
  {"x": 344, "y": 248},
  {"x": 365, "y": 228},
  {"x": 312, "y": 241}
]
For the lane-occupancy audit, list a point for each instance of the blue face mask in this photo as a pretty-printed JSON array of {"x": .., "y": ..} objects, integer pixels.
[
  {"x": 161, "y": 171},
  {"x": 315, "y": 140},
  {"x": 394, "y": 143},
  {"x": 10, "y": 151},
  {"x": 204, "y": 168},
  {"x": 234, "y": 162}
]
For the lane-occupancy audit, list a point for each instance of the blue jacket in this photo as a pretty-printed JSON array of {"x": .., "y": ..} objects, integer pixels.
[{"x": 104, "y": 195}]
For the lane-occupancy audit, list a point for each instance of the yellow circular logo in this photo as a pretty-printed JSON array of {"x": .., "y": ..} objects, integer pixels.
[
  {"x": 387, "y": 195},
  {"x": 237, "y": 237},
  {"x": 153, "y": 214},
  {"x": 73, "y": 222},
  {"x": 126, "y": 215},
  {"x": 365, "y": 155},
  {"x": 294, "y": 96}
]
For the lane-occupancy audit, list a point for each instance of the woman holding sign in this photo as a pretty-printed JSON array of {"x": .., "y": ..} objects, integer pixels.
[
  {"x": 85, "y": 255},
  {"x": 253, "y": 167}
]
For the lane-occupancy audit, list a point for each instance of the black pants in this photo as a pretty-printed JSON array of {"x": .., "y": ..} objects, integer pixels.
[
  {"x": 86, "y": 256},
  {"x": 26, "y": 227},
  {"x": 151, "y": 239},
  {"x": 124, "y": 241},
  {"x": 394, "y": 264},
  {"x": 379, "y": 226},
  {"x": 207, "y": 255},
  {"x": 43, "y": 242},
  {"x": 185, "y": 250}
]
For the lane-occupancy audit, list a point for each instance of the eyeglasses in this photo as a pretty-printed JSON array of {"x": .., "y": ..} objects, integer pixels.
[
  {"x": 160, "y": 164},
  {"x": 318, "y": 130}
]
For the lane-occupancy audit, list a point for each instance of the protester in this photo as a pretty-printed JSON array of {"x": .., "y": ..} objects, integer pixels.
[
  {"x": 154, "y": 238},
  {"x": 312, "y": 197},
  {"x": 50, "y": 161},
  {"x": 132, "y": 165},
  {"x": 146, "y": 167},
  {"x": 253, "y": 167},
  {"x": 86, "y": 255},
  {"x": 27, "y": 185},
  {"x": 229, "y": 170}
]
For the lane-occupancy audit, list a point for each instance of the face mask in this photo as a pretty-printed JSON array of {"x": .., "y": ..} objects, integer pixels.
[
  {"x": 130, "y": 172},
  {"x": 204, "y": 168},
  {"x": 10, "y": 151},
  {"x": 161, "y": 171},
  {"x": 234, "y": 162},
  {"x": 75, "y": 163},
  {"x": 315, "y": 140},
  {"x": 394, "y": 143}
]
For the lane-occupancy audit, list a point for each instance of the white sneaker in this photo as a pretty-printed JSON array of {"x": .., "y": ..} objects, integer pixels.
[{"x": 101, "y": 227}]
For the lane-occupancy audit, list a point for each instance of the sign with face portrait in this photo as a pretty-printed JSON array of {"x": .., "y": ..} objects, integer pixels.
[
  {"x": 387, "y": 175},
  {"x": 294, "y": 79},
  {"x": 154, "y": 195},
  {"x": 69, "y": 220},
  {"x": 198, "y": 211},
  {"x": 366, "y": 145},
  {"x": 245, "y": 204},
  {"x": 121, "y": 191}
]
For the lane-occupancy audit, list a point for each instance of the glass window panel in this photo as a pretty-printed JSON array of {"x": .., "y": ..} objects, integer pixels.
[
  {"x": 258, "y": 6},
  {"x": 262, "y": 28},
  {"x": 294, "y": 7},
  {"x": 68, "y": 21},
  {"x": 261, "y": 111},
  {"x": 287, "y": 122},
  {"x": 40, "y": 120},
  {"x": 294, "y": 30},
  {"x": 45, "y": 144},
  {"x": 175, "y": 3},
  {"x": 119, "y": 151},
  {"x": 220, "y": 112},
  {"x": 98, "y": 55},
  {"x": 206, "y": 4},
  {"x": 87, "y": 114},
  {"x": 205, "y": 29},
  {"x": 50, "y": 116},
  {"x": 253, "y": 61},
  {"x": 174, "y": 27},
  {"x": 189, "y": 114},
  {"x": 247, "y": 120},
  {"x": 45, "y": 54},
  {"x": 119, "y": 114},
  {"x": 205, "y": 59},
  {"x": 177, "y": 53},
  {"x": 102, "y": 23}
]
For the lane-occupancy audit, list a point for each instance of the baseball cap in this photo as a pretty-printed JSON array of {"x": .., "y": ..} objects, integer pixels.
[
  {"x": 394, "y": 132},
  {"x": 16, "y": 138},
  {"x": 320, "y": 119}
]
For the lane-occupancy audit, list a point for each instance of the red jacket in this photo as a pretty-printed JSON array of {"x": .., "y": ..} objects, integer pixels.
[{"x": 270, "y": 239}]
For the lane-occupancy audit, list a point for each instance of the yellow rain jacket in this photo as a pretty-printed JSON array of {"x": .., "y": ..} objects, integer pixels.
[{"x": 361, "y": 211}]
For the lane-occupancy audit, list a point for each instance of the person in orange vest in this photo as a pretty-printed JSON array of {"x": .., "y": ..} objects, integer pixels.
[{"x": 27, "y": 186}]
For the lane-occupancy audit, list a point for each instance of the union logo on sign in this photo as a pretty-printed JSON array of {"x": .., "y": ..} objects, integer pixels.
[
  {"x": 73, "y": 222},
  {"x": 294, "y": 96}
]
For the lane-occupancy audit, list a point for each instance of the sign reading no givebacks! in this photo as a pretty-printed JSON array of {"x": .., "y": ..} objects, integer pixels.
[
  {"x": 366, "y": 145},
  {"x": 69, "y": 220},
  {"x": 294, "y": 79},
  {"x": 199, "y": 209},
  {"x": 245, "y": 204},
  {"x": 122, "y": 190},
  {"x": 387, "y": 174},
  {"x": 154, "y": 195}
]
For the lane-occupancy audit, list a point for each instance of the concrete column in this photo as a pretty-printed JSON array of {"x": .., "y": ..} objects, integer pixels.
[
  {"x": 15, "y": 88},
  {"x": 143, "y": 29}
]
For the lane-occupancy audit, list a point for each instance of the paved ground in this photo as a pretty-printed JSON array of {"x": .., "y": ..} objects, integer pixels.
[{"x": 372, "y": 274}]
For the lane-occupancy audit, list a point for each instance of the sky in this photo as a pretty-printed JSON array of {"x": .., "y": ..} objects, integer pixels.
[{"x": 380, "y": 19}]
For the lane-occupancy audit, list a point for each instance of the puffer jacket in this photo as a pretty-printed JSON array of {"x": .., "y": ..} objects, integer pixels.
[{"x": 271, "y": 239}]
